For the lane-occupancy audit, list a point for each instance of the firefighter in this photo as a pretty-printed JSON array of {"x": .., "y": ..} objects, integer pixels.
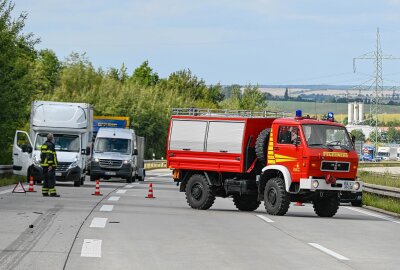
[{"x": 48, "y": 158}]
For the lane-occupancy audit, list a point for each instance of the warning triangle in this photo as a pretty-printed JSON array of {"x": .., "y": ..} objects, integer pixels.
[{"x": 19, "y": 188}]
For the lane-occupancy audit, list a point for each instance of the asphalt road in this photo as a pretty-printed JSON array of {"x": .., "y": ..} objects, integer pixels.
[{"x": 124, "y": 230}]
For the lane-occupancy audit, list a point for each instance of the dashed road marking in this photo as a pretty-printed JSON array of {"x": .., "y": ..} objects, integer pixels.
[
  {"x": 114, "y": 198},
  {"x": 265, "y": 218},
  {"x": 373, "y": 214},
  {"x": 91, "y": 248},
  {"x": 6, "y": 191},
  {"x": 121, "y": 191},
  {"x": 98, "y": 222},
  {"x": 106, "y": 208},
  {"x": 129, "y": 186},
  {"x": 329, "y": 252}
]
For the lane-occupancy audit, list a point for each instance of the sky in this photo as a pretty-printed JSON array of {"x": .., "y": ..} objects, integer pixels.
[{"x": 265, "y": 42}]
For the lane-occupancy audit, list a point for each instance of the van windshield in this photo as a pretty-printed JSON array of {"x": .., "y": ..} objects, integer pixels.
[
  {"x": 122, "y": 146},
  {"x": 325, "y": 136},
  {"x": 62, "y": 142}
]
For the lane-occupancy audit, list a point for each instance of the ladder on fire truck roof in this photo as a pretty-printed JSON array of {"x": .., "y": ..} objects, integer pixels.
[{"x": 229, "y": 113}]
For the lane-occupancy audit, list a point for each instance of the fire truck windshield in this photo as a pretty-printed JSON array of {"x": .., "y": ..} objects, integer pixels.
[{"x": 326, "y": 136}]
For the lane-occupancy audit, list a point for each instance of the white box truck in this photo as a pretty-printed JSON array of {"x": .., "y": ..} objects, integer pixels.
[
  {"x": 387, "y": 153},
  {"x": 117, "y": 153},
  {"x": 72, "y": 127}
]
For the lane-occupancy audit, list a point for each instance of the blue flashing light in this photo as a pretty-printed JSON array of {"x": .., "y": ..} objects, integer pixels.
[
  {"x": 331, "y": 116},
  {"x": 299, "y": 113}
]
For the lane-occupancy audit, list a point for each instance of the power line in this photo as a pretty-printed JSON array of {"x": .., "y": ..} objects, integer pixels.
[{"x": 377, "y": 56}]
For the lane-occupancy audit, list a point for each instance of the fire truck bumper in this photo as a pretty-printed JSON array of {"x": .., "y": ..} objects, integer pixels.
[{"x": 313, "y": 184}]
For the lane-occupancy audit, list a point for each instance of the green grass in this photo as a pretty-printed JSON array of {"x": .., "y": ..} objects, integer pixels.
[
  {"x": 379, "y": 164},
  {"x": 383, "y": 180},
  {"x": 11, "y": 179},
  {"x": 382, "y": 202}
]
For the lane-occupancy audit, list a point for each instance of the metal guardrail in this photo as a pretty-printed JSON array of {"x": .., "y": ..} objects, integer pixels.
[
  {"x": 382, "y": 190},
  {"x": 149, "y": 164},
  {"x": 6, "y": 169}
]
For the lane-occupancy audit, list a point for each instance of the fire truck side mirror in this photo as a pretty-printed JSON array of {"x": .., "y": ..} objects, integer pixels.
[
  {"x": 353, "y": 139},
  {"x": 297, "y": 142}
]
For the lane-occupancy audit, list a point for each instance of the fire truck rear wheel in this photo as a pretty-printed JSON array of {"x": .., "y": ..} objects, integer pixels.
[
  {"x": 276, "y": 199},
  {"x": 262, "y": 145},
  {"x": 246, "y": 202},
  {"x": 326, "y": 207},
  {"x": 199, "y": 193}
]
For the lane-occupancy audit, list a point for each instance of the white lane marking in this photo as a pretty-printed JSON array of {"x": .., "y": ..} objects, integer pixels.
[
  {"x": 265, "y": 218},
  {"x": 329, "y": 252},
  {"x": 372, "y": 214},
  {"x": 114, "y": 198},
  {"x": 129, "y": 186},
  {"x": 164, "y": 174},
  {"x": 6, "y": 191},
  {"x": 91, "y": 248},
  {"x": 106, "y": 208},
  {"x": 121, "y": 191},
  {"x": 98, "y": 222}
]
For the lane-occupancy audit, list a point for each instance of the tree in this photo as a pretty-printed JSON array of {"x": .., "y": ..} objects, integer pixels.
[
  {"x": 392, "y": 135},
  {"x": 286, "y": 97},
  {"x": 16, "y": 75},
  {"x": 375, "y": 135},
  {"x": 358, "y": 134},
  {"x": 144, "y": 75}
]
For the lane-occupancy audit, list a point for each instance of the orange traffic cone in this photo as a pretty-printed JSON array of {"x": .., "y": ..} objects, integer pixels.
[
  {"x": 299, "y": 204},
  {"x": 31, "y": 189},
  {"x": 97, "y": 190},
  {"x": 150, "y": 194}
]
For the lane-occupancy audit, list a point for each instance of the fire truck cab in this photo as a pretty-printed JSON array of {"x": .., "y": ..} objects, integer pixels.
[{"x": 256, "y": 157}]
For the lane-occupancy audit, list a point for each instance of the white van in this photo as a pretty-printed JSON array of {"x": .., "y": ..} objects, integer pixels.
[
  {"x": 115, "y": 154},
  {"x": 72, "y": 127}
]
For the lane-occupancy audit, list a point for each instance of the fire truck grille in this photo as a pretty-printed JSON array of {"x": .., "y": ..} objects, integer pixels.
[
  {"x": 334, "y": 166},
  {"x": 62, "y": 166},
  {"x": 110, "y": 163}
]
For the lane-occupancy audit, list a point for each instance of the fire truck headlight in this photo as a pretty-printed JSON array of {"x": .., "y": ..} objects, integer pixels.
[
  {"x": 315, "y": 184},
  {"x": 356, "y": 186}
]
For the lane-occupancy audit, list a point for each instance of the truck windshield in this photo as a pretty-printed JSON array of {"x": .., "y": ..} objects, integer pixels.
[
  {"x": 122, "y": 146},
  {"x": 325, "y": 136},
  {"x": 63, "y": 142}
]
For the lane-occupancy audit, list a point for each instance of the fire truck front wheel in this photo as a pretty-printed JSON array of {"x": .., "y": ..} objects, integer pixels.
[
  {"x": 199, "y": 193},
  {"x": 276, "y": 199},
  {"x": 326, "y": 207},
  {"x": 246, "y": 202}
]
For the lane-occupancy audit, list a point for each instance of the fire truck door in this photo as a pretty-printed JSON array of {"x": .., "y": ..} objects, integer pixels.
[{"x": 288, "y": 150}]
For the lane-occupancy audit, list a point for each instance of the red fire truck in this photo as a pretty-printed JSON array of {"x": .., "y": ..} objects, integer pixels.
[{"x": 254, "y": 157}]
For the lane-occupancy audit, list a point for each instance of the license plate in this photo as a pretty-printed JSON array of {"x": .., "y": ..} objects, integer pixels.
[
  {"x": 110, "y": 173},
  {"x": 58, "y": 174},
  {"x": 348, "y": 185}
]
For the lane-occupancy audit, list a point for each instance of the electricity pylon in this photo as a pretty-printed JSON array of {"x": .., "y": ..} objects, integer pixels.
[{"x": 378, "y": 94}]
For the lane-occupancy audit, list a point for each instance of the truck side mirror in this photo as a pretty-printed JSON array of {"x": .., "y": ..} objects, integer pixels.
[
  {"x": 135, "y": 152},
  {"x": 353, "y": 139},
  {"x": 297, "y": 142},
  {"x": 88, "y": 150},
  {"x": 29, "y": 149}
]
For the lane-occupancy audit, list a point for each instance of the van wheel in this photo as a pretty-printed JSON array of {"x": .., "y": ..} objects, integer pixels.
[
  {"x": 276, "y": 199},
  {"x": 199, "y": 194},
  {"x": 77, "y": 183},
  {"x": 246, "y": 202},
  {"x": 82, "y": 180},
  {"x": 262, "y": 145},
  {"x": 326, "y": 207},
  {"x": 129, "y": 179}
]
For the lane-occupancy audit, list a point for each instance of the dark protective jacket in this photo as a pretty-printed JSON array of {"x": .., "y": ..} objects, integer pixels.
[{"x": 48, "y": 155}]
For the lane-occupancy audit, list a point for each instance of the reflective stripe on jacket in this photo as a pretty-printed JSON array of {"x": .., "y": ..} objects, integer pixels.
[{"x": 48, "y": 155}]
